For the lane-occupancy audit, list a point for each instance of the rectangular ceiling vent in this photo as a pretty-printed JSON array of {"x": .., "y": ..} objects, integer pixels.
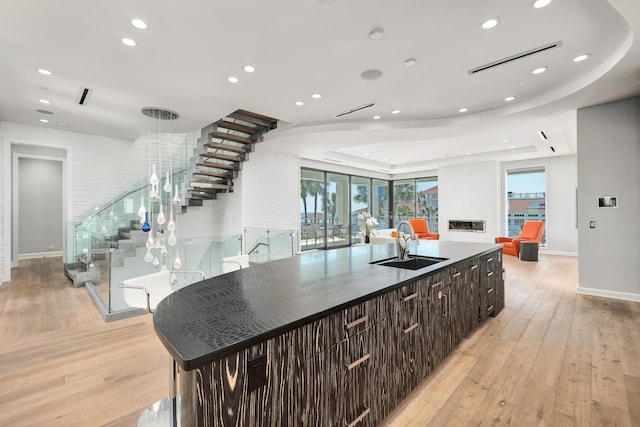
[
  {"x": 353, "y": 110},
  {"x": 84, "y": 95},
  {"x": 515, "y": 57},
  {"x": 543, "y": 136}
]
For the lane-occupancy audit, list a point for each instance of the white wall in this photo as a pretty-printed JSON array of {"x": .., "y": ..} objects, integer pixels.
[
  {"x": 469, "y": 192},
  {"x": 561, "y": 184},
  {"x": 608, "y": 165},
  {"x": 98, "y": 169}
]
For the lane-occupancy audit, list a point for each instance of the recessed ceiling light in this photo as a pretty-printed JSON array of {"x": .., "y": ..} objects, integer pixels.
[
  {"x": 232, "y": 79},
  {"x": 510, "y": 98},
  {"x": 371, "y": 74},
  {"x": 489, "y": 23},
  {"x": 299, "y": 103},
  {"x": 512, "y": 146},
  {"x": 128, "y": 42},
  {"x": 44, "y": 120},
  {"x": 410, "y": 62},
  {"x": 463, "y": 110},
  {"x": 430, "y": 158},
  {"x": 376, "y": 33},
  {"x": 505, "y": 140},
  {"x": 44, "y": 101},
  {"x": 62, "y": 124},
  {"x": 538, "y": 4},
  {"x": 395, "y": 112},
  {"x": 249, "y": 68},
  {"x": 316, "y": 96},
  {"x": 139, "y": 24},
  {"x": 539, "y": 70},
  {"x": 376, "y": 117},
  {"x": 467, "y": 154},
  {"x": 580, "y": 58},
  {"x": 44, "y": 71}
]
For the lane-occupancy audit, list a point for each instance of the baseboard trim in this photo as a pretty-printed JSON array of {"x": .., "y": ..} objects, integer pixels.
[
  {"x": 626, "y": 296},
  {"x": 561, "y": 253},
  {"x": 40, "y": 255}
]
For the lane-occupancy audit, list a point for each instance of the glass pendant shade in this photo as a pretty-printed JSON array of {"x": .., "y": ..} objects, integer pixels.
[
  {"x": 174, "y": 279},
  {"x": 154, "y": 196},
  {"x": 161, "y": 218},
  {"x": 167, "y": 184},
  {"x": 150, "y": 243},
  {"x": 148, "y": 257},
  {"x": 172, "y": 240},
  {"x": 177, "y": 264},
  {"x": 176, "y": 196},
  {"x": 146, "y": 226},
  {"x": 153, "y": 179},
  {"x": 171, "y": 225},
  {"x": 156, "y": 262},
  {"x": 142, "y": 209},
  {"x": 163, "y": 250}
]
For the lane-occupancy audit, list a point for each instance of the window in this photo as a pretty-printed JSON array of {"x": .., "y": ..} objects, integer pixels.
[
  {"x": 427, "y": 201},
  {"x": 526, "y": 199},
  {"x": 416, "y": 198},
  {"x": 380, "y": 202},
  {"x": 311, "y": 208},
  {"x": 360, "y": 197}
]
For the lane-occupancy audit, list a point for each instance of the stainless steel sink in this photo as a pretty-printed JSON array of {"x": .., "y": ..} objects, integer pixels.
[{"x": 415, "y": 262}]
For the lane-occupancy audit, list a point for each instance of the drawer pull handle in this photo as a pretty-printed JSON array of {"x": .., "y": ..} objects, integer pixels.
[
  {"x": 489, "y": 274},
  {"x": 435, "y": 285},
  {"x": 356, "y": 322},
  {"x": 409, "y": 297},
  {"x": 473, "y": 267},
  {"x": 355, "y": 363},
  {"x": 490, "y": 309},
  {"x": 458, "y": 274},
  {"x": 490, "y": 259},
  {"x": 490, "y": 290},
  {"x": 359, "y": 418},
  {"x": 410, "y": 328},
  {"x": 446, "y": 306}
]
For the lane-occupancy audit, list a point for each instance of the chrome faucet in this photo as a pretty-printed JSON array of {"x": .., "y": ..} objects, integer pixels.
[{"x": 402, "y": 240}]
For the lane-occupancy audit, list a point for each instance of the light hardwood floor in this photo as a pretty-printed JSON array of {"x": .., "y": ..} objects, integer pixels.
[{"x": 551, "y": 358}]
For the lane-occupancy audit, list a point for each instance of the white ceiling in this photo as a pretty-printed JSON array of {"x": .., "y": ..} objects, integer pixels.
[{"x": 299, "y": 47}]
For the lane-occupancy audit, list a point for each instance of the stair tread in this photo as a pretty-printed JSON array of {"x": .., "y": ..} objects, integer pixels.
[
  {"x": 231, "y": 137},
  {"x": 203, "y": 185},
  {"x": 219, "y": 165},
  {"x": 238, "y": 127},
  {"x": 258, "y": 119},
  {"x": 221, "y": 156},
  {"x": 222, "y": 175},
  {"x": 226, "y": 147}
]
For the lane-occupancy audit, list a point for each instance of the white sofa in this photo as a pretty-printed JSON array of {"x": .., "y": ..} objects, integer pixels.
[{"x": 382, "y": 236}]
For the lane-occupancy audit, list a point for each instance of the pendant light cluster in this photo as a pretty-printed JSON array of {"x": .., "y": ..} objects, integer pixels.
[{"x": 162, "y": 199}]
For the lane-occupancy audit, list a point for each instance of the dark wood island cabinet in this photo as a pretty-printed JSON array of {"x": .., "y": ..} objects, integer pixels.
[{"x": 326, "y": 338}]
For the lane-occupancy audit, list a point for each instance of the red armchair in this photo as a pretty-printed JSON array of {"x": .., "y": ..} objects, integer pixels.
[
  {"x": 421, "y": 228},
  {"x": 532, "y": 231}
]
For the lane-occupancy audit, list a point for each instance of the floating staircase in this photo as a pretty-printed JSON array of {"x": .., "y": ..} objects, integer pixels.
[{"x": 222, "y": 148}]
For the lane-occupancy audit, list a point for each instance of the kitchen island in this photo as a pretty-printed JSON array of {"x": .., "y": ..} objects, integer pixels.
[{"x": 325, "y": 338}]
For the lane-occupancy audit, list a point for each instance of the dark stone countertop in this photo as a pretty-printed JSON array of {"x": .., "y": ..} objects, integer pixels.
[{"x": 221, "y": 315}]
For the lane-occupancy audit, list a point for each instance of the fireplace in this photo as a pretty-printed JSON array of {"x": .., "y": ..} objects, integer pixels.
[{"x": 470, "y": 225}]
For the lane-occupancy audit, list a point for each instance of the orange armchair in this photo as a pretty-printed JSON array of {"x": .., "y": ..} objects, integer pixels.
[
  {"x": 532, "y": 231},
  {"x": 421, "y": 228}
]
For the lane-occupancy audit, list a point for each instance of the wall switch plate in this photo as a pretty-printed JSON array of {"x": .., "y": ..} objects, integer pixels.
[
  {"x": 592, "y": 224},
  {"x": 257, "y": 372}
]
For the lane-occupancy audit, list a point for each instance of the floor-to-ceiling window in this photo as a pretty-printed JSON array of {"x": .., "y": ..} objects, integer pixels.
[
  {"x": 380, "y": 202},
  {"x": 338, "y": 218},
  {"x": 360, "y": 198},
  {"x": 311, "y": 209},
  {"x": 416, "y": 198},
  {"x": 404, "y": 200},
  {"x": 526, "y": 198},
  {"x": 330, "y": 204},
  {"x": 427, "y": 201}
]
